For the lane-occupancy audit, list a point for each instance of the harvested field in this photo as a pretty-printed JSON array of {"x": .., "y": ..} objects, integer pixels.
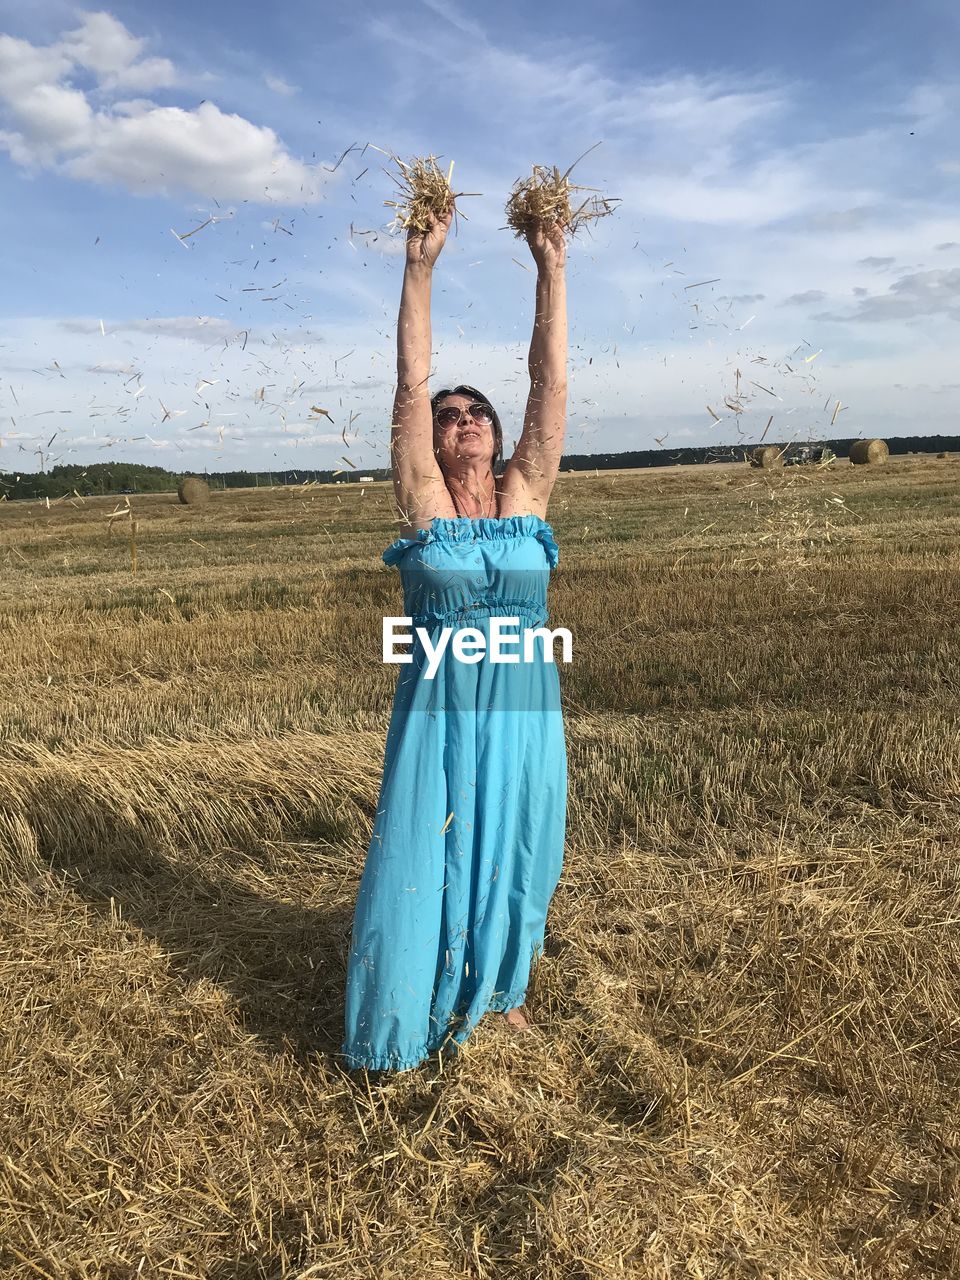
[{"x": 746, "y": 1058}]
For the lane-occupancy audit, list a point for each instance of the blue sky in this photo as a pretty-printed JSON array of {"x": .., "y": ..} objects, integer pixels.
[{"x": 787, "y": 242}]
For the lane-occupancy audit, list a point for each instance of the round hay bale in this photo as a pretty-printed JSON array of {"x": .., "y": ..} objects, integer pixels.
[
  {"x": 193, "y": 491},
  {"x": 768, "y": 455},
  {"x": 869, "y": 451},
  {"x": 944, "y": 454}
]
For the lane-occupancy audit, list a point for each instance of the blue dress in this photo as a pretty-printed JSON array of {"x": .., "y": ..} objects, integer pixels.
[{"x": 468, "y": 839}]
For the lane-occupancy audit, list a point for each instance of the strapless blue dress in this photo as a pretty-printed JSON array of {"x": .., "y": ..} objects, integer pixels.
[{"x": 468, "y": 839}]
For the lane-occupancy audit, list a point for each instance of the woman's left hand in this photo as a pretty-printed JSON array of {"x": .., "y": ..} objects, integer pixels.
[{"x": 549, "y": 247}]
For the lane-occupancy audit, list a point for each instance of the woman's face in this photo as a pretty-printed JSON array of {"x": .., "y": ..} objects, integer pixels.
[{"x": 466, "y": 441}]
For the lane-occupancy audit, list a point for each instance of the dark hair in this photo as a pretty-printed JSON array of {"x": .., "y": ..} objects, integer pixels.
[{"x": 463, "y": 390}]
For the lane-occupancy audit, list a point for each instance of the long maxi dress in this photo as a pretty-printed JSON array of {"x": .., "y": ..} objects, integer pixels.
[{"x": 468, "y": 840}]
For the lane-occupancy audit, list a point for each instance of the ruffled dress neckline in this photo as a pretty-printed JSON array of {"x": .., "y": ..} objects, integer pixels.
[{"x": 465, "y": 529}]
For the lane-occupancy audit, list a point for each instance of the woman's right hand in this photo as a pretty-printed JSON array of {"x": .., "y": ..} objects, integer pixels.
[{"x": 423, "y": 247}]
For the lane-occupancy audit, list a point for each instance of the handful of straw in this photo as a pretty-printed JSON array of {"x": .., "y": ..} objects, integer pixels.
[
  {"x": 425, "y": 193},
  {"x": 545, "y": 198}
]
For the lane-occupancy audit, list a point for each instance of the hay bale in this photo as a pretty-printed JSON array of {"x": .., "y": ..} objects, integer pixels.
[
  {"x": 767, "y": 455},
  {"x": 869, "y": 451},
  {"x": 944, "y": 454},
  {"x": 193, "y": 491}
]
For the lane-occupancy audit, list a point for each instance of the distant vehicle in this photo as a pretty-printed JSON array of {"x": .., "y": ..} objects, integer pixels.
[
  {"x": 807, "y": 454},
  {"x": 365, "y": 479},
  {"x": 129, "y": 490}
]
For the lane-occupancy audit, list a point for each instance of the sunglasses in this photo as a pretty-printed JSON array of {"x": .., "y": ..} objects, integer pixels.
[{"x": 452, "y": 416}]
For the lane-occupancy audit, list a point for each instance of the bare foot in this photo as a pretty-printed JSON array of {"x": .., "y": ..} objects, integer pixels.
[{"x": 516, "y": 1018}]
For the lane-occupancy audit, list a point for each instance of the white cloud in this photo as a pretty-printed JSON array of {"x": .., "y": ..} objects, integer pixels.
[
  {"x": 23, "y": 66},
  {"x": 134, "y": 143},
  {"x": 665, "y": 384},
  {"x": 785, "y": 262},
  {"x": 203, "y": 150},
  {"x": 277, "y": 84},
  {"x": 108, "y": 366},
  {"x": 840, "y": 219},
  {"x": 104, "y": 46},
  {"x": 683, "y": 147},
  {"x": 51, "y": 120},
  {"x": 204, "y": 329},
  {"x": 803, "y": 299},
  {"x": 568, "y": 83},
  {"x": 449, "y": 12},
  {"x": 773, "y": 189},
  {"x": 133, "y": 107},
  {"x": 932, "y": 102},
  {"x": 923, "y": 293}
]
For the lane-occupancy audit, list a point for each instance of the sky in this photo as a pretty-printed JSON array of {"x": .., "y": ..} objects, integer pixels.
[{"x": 196, "y": 253}]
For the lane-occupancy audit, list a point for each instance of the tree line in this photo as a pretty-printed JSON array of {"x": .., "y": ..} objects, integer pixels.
[{"x": 116, "y": 478}]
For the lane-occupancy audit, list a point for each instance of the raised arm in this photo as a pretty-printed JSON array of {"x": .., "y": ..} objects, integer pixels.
[
  {"x": 418, "y": 483},
  {"x": 532, "y": 471}
]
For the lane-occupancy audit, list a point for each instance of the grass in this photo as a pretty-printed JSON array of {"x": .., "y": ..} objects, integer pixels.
[{"x": 747, "y": 1053}]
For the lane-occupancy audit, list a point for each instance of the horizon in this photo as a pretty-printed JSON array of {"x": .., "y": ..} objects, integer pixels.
[{"x": 721, "y": 453}]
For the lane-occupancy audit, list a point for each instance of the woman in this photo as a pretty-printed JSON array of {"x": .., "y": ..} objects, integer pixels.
[{"x": 467, "y": 845}]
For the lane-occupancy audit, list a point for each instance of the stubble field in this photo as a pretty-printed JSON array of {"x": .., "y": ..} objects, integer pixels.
[{"x": 746, "y": 1059}]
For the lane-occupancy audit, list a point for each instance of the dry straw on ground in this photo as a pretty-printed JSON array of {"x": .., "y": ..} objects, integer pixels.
[
  {"x": 745, "y": 1059},
  {"x": 545, "y": 198},
  {"x": 425, "y": 194},
  {"x": 869, "y": 451},
  {"x": 192, "y": 491}
]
